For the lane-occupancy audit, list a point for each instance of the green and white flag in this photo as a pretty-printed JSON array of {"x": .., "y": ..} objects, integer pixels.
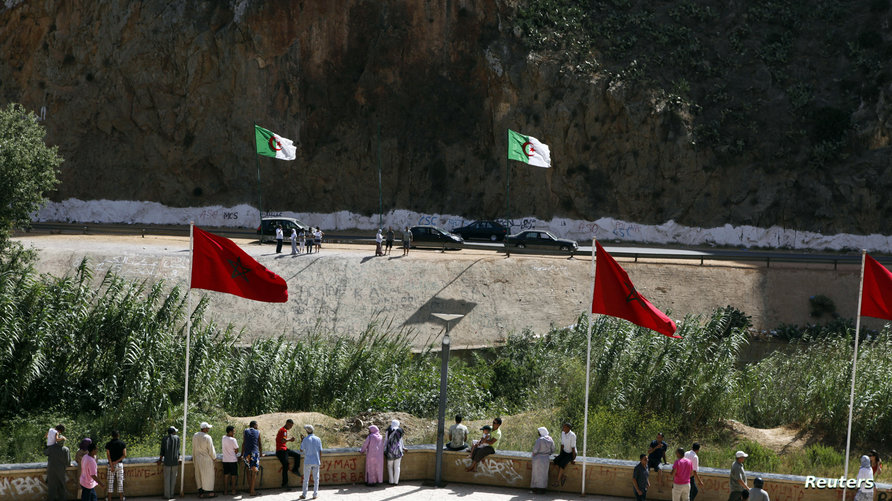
[
  {"x": 528, "y": 149},
  {"x": 270, "y": 144}
]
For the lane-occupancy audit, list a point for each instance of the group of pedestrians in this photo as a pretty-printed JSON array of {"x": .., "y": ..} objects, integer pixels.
[
  {"x": 384, "y": 241},
  {"x": 204, "y": 455},
  {"x": 59, "y": 459},
  {"x": 302, "y": 241}
]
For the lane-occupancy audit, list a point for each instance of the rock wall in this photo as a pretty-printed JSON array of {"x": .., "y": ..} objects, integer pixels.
[{"x": 155, "y": 101}]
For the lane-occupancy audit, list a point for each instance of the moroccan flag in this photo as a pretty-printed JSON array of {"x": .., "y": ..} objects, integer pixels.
[
  {"x": 270, "y": 144},
  {"x": 876, "y": 296},
  {"x": 616, "y": 296},
  {"x": 528, "y": 149},
  {"x": 218, "y": 264}
]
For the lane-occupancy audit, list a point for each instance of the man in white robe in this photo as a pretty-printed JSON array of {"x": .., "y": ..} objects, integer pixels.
[{"x": 203, "y": 457}]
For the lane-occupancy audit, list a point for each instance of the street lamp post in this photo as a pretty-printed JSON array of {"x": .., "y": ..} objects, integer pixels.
[{"x": 441, "y": 418}]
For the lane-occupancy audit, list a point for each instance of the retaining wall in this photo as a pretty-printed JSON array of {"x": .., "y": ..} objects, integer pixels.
[{"x": 143, "y": 477}]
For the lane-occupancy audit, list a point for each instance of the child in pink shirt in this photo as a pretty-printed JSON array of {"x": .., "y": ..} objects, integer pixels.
[{"x": 89, "y": 477}]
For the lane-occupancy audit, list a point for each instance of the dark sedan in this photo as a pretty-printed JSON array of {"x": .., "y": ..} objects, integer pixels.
[
  {"x": 493, "y": 231},
  {"x": 432, "y": 236},
  {"x": 540, "y": 240}
]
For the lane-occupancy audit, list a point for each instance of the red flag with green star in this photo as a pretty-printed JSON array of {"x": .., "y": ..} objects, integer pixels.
[{"x": 218, "y": 264}]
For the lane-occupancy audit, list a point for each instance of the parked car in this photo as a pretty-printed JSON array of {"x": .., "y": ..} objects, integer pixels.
[
  {"x": 541, "y": 240},
  {"x": 433, "y": 236},
  {"x": 268, "y": 225},
  {"x": 493, "y": 231}
]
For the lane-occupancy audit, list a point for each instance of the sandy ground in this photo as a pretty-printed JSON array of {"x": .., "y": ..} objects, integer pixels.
[{"x": 345, "y": 287}]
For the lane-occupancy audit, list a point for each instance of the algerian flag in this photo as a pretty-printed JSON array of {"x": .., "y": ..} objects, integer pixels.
[
  {"x": 270, "y": 144},
  {"x": 528, "y": 149}
]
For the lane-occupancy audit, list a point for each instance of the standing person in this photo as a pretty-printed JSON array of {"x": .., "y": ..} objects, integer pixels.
[
  {"x": 640, "y": 478},
  {"x": 279, "y": 237},
  {"x": 115, "y": 452},
  {"x": 738, "y": 476},
  {"x": 695, "y": 464},
  {"x": 407, "y": 241},
  {"x": 58, "y": 459},
  {"x": 229, "y": 446},
  {"x": 302, "y": 240},
  {"x": 542, "y": 450},
  {"x": 378, "y": 240},
  {"x": 876, "y": 464},
  {"x": 864, "y": 473},
  {"x": 655, "y": 454},
  {"x": 81, "y": 452},
  {"x": 373, "y": 447},
  {"x": 567, "y": 453},
  {"x": 393, "y": 450},
  {"x": 251, "y": 448},
  {"x": 283, "y": 452},
  {"x": 170, "y": 458},
  {"x": 203, "y": 457},
  {"x": 458, "y": 436},
  {"x": 293, "y": 241},
  {"x": 319, "y": 237},
  {"x": 389, "y": 240},
  {"x": 682, "y": 470},
  {"x": 311, "y": 446},
  {"x": 486, "y": 445},
  {"x": 89, "y": 477}
]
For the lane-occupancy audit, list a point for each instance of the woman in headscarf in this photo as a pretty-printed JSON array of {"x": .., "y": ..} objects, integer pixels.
[
  {"x": 393, "y": 450},
  {"x": 542, "y": 451},
  {"x": 866, "y": 473},
  {"x": 81, "y": 452},
  {"x": 374, "y": 457}
]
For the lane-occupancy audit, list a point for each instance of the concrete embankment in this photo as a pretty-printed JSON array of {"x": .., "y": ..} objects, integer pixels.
[{"x": 344, "y": 287}]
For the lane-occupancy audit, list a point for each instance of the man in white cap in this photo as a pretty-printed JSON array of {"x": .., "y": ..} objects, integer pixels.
[
  {"x": 738, "y": 477},
  {"x": 203, "y": 457},
  {"x": 311, "y": 448}
]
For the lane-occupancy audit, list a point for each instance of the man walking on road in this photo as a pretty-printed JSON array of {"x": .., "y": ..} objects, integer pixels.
[
  {"x": 738, "y": 477},
  {"x": 311, "y": 446},
  {"x": 407, "y": 241},
  {"x": 283, "y": 452},
  {"x": 279, "y": 237}
]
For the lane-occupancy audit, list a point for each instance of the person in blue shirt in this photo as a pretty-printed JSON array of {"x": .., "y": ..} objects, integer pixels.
[
  {"x": 251, "y": 452},
  {"x": 311, "y": 449}
]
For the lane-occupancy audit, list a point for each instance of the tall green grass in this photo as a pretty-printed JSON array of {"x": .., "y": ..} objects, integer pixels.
[{"x": 112, "y": 356}]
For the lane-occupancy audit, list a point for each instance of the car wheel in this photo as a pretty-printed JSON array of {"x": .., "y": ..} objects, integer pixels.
[
  {"x": 521, "y": 246},
  {"x": 493, "y": 238}
]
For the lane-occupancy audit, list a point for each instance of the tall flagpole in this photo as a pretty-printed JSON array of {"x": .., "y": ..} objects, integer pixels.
[
  {"x": 854, "y": 368},
  {"x": 508, "y": 191},
  {"x": 259, "y": 196},
  {"x": 188, "y": 339},
  {"x": 588, "y": 369}
]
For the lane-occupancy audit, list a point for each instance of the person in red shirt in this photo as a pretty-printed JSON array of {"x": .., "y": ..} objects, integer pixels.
[{"x": 283, "y": 452}]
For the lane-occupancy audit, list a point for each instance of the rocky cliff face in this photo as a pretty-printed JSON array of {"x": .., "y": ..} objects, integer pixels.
[{"x": 156, "y": 101}]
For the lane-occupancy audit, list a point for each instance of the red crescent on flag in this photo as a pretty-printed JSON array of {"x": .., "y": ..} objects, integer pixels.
[
  {"x": 273, "y": 143},
  {"x": 531, "y": 150}
]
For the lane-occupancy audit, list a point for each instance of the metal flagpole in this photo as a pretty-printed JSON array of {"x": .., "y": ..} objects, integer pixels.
[
  {"x": 188, "y": 338},
  {"x": 380, "y": 189},
  {"x": 508, "y": 193},
  {"x": 259, "y": 196},
  {"x": 854, "y": 368},
  {"x": 588, "y": 369}
]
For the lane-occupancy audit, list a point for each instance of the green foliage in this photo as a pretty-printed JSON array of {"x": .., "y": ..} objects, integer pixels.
[
  {"x": 27, "y": 168},
  {"x": 760, "y": 458}
]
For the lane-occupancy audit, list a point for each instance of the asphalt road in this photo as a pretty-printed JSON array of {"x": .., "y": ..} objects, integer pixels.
[{"x": 365, "y": 237}]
